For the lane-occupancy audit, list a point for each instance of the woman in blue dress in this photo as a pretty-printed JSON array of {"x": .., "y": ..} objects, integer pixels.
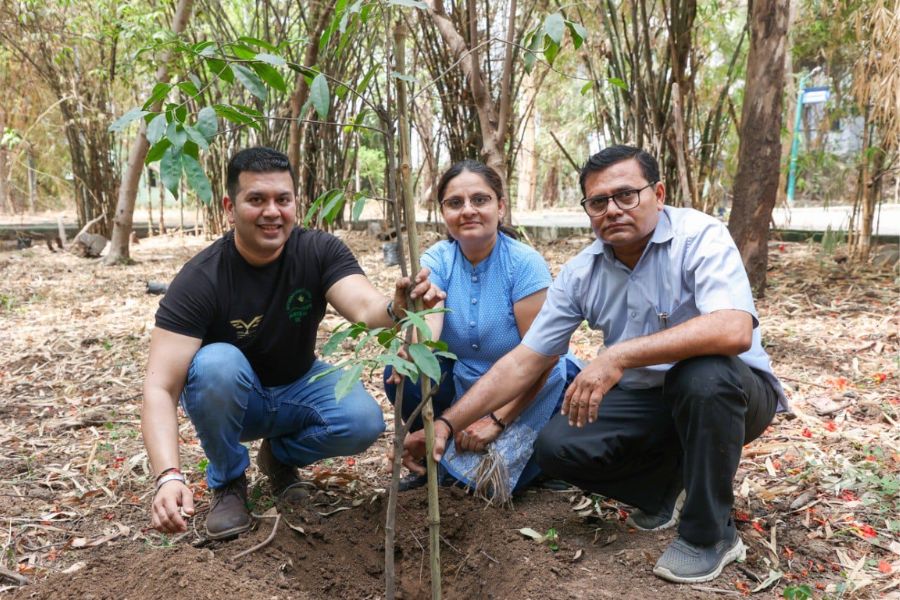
[{"x": 495, "y": 287}]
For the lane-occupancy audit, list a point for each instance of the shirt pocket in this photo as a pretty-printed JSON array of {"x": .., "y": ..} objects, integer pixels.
[{"x": 680, "y": 313}]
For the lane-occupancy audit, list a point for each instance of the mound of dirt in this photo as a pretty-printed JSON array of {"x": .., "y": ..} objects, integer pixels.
[{"x": 341, "y": 555}]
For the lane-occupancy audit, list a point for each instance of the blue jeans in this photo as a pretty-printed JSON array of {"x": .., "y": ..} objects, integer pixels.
[{"x": 303, "y": 422}]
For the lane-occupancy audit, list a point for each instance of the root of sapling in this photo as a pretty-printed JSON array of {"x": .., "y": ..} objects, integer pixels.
[{"x": 491, "y": 479}]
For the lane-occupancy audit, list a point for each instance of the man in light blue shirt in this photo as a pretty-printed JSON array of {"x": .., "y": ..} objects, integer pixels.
[{"x": 658, "y": 419}]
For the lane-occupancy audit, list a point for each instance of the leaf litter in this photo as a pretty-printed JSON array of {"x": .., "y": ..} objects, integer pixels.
[{"x": 816, "y": 496}]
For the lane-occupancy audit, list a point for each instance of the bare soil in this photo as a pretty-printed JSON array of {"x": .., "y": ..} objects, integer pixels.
[{"x": 816, "y": 495}]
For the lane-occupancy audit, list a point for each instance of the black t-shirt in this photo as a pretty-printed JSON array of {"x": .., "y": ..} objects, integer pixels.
[{"x": 271, "y": 313}]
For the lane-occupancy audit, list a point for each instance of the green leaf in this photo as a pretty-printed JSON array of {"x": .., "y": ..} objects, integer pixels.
[
  {"x": 419, "y": 323},
  {"x": 170, "y": 169},
  {"x": 160, "y": 91},
  {"x": 348, "y": 379},
  {"x": 218, "y": 68},
  {"x": 197, "y": 137},
  {"x": 334, "y": 342},
  {"x": 439, "y": 345},
  {"x": 401, "y": 365},
  {"x": 358, "y": 207},
  {"x": 191, "y": 149},
  {"x": 196, "y": 178},
  {"x": 272, "y": 59},
  {"x": 176, "y": 134},
  {"x": 270, "y": 75},
  {"x": 207, "y": 123},
  {"x": 227, "y": 112},
  {"x": 318, "y": 95},
  {"x": 618, "y": 83},
  {"x": 587, "y": 87},
  {"x": 156, "y": 151},
  {"x": 156, "y": 129},
  {"x": 551, "y": 51},
  {"x": 257, "y": 42},
  {"x": 250, "y": 81},
  {"x": 425, "y": 361},
  {"x": 555, "y": 27},
  {"x": 188, "y": 88},
  {"x": 409, "y": 3},
  {"x": 579, "y": 33},
  {"x": 333, "y": 207},
  {"x": 402, "y": 77},
  {"x": 364, "y": 84},
  {"x": 203, "y": 48},
  {"x": 242, "y": 51},
  {"x": 132, "y": 115},
  {"x": 325, "y": 373}
]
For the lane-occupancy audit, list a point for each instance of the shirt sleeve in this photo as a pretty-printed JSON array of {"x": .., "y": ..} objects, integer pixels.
[
  {"x": 189, "y": 305},
  {"x": 530, "y": 274},
  {"x": 718, "y": 274},
  {"x": 435, "y": 259},
  {"x": 337, "y": 261},
  {"x": 561, "y": 314}
]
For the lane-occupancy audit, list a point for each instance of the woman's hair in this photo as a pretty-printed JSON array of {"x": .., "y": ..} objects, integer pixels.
[{"x": 490, "y": 176}]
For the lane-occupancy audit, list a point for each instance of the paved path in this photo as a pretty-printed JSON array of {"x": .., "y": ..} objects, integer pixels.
[{"x": 803, "y": 219}]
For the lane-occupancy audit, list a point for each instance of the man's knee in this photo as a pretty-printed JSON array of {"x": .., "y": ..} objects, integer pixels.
[
  {"x": 703, "y": 377},
  {"x": 217, "y": 372},
  {"x": 360, "y": 426}
]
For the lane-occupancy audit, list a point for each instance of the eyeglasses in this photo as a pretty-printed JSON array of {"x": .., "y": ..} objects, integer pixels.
[
  {"x": 456, "y": 203},
  {"x": 596, "y": 206}
]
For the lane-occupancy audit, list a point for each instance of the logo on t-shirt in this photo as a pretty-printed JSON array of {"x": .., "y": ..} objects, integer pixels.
[
  {"x": 298, "y": 305},
  {"x": 246, "y": 329}
]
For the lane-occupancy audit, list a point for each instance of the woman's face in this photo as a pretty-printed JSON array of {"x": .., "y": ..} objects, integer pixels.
[{"x": 471, "y": 209}]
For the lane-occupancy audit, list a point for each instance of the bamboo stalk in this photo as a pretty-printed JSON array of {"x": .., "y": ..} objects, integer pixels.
[{"x": 434, "y": 518}]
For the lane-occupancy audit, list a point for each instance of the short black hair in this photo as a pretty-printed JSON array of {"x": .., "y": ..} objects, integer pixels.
[
  {"x": 256, "y": 160},
  {"x": 614, "y": 154}
]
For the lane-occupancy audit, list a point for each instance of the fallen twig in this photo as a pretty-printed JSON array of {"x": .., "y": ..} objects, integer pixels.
[
  {"x": 262, "y": 544},
  {"x": 703, "y": 588},
  {"x": 19, "y": 579}
]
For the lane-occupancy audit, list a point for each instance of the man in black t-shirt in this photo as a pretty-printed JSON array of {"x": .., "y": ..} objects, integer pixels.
[{"x": 235, "y": 341}]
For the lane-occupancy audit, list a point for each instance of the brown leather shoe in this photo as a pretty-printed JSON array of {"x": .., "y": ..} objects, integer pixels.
[
  {"x": 228, "y": 515},
  {"x": 284, "y": 479}
]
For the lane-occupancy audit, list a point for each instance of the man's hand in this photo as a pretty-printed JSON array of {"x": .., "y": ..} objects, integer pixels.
[
  {"x": 441, "y": 436},
  {"x": 170, "y": 501},
  {"x": 583, "y": 397},
  {"x": 414, "y": 451},
  {"x": 478, "y": 435},
  {"x": 422, "y": 288}
]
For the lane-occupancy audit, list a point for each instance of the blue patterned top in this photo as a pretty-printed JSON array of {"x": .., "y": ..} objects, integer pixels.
[{"x": 481, "y": 327}]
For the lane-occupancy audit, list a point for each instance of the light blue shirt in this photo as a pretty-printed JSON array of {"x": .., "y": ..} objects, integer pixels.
[
  {"x": 480, "y": 328},
  {"x": 690, "y": 267}
]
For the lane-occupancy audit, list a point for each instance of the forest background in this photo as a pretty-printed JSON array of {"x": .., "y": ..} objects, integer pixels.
[{"x": 125, "y": 111}]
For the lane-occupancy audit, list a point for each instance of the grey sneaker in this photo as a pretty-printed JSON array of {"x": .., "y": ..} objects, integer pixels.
[
  {"x": 662, "y": 520},
  {"x": 683, "y": 562}
]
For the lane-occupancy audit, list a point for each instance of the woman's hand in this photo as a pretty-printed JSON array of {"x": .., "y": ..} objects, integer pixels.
[
  {"x": 396, "y": 377},
  {"x": 478, "y": 435}
]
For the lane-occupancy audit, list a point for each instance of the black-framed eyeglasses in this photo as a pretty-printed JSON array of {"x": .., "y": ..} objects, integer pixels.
[
  {"x": 596, "y": 206},
  {"x": 457, "y": 203}
]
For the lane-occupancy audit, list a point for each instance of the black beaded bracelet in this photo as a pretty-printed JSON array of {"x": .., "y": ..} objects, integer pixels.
[
  {"x": 449, "y": 426},
  {"x": 497, "y": 420}
]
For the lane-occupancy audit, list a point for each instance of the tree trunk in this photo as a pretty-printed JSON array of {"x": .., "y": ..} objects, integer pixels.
[
  {"x": 5, "y": 195},
  {"x": 526, "y": 188},
  {"x": 124, "y": 219},
  {"x": 493, "y": 132},
  {"x": 550, "y": 196},
  {"x": 759, "y": 155},
  {"x": 301, "y": 91},
  {"x": 32, "y": 180}
]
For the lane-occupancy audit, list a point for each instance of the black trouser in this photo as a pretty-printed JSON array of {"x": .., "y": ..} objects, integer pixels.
[{"x": 689, "y": 432}]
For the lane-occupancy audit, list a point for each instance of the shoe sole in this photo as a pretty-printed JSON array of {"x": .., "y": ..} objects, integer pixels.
[
  {"x": 229, "y": 533},
  {"x": 737, "y": 552},
  {"x": 676, "y": 516}
]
